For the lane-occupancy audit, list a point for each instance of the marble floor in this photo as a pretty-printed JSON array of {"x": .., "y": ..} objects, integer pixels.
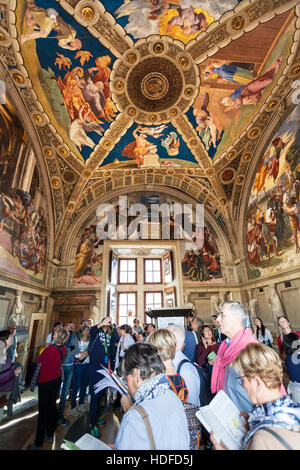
[{"x": 18, "y": 432}]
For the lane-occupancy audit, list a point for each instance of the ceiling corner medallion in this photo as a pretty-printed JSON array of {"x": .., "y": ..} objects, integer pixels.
[{"x": 162, "y": 84}]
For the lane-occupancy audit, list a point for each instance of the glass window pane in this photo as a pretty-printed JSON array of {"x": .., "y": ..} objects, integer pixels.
[
  {"x": 156, "y": 265},
  {"x": 123, "y": 265},
  {"x": 131, "y": 299},
  {"x": 123, "y": 277},
  {"x": 148, "y": 265},
  {"x": 123, "y": 310},
  {"x": 149, "y": 276},
  {"x": 157, "y": 298},
  {"x": 156, "y": 276},
  {"x": 131, "y": 265},
  {"x": 131, "y": 277}
]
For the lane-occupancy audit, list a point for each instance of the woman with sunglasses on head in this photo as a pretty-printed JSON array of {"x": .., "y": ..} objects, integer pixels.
[{"x": 274, "y": 423}]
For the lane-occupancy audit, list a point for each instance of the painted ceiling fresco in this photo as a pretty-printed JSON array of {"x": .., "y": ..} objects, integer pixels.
[{"x": 174, "y": 92}]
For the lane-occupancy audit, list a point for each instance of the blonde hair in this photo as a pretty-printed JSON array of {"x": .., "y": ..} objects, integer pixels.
[
  {"x": 261, "y": 361},
  {"x": 165, "y": 342},
  {"x": 62, "y": 336}
]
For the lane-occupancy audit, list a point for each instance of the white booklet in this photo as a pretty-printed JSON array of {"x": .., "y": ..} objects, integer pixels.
[
  {"x": 86, "y": 442},
  {"x": 223, "y": 418},
  {"x": 112, "y": 380}
]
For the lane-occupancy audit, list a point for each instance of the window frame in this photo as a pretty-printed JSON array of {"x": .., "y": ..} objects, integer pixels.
[
  {"x": 118, "y": 305},
  {"x": 153, "y": 292},
  {"x": 119, "y": 271},
  {"x": 160, "y": 263}
]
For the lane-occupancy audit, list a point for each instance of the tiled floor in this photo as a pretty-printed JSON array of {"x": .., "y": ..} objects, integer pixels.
[{"x": 19, "y": 431}]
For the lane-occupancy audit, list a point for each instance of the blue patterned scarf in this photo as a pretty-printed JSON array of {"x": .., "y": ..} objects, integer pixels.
[
  {"x": 281, "y": 413},
  {"x": 152, "y": 388}
]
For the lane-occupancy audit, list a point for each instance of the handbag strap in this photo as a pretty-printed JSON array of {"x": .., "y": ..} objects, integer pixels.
[
  {"x": 279, "y": 438},
  {"x": 145, "y": 417}
]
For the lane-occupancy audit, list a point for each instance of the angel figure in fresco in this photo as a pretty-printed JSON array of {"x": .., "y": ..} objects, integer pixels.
[
  {"x": 251, "y": 93},
  {"x": 144, "y": 15},
  {"x": 208, "y": 130},
  {"x": 262, "y": 173},
  {"x": 80, "y": 126},
  {"x": 171, "y": 143},
  {"x": 42, "y": 22},
  {"x": 139, "y": 148},
  {"x": 85, "y": 253},
  {"x": 190, "y": 21},
  {"x": 155, "y": 132},
  {"x": 101, "y": 81}
]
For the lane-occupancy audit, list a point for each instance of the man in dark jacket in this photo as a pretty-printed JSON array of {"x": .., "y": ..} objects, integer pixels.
[{"x": 100, "y": 352}]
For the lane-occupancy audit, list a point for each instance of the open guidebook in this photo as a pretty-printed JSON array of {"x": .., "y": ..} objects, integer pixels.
[
  {"x": 223, "y": 418},
  {"x": 110, "y": 380},
  {"x": 86, "y": 442}
]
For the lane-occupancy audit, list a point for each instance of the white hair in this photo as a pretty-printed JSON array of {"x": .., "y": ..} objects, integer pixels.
[
  {"x": 179, "y": 335},
  {"x": 236, "y": 308}
]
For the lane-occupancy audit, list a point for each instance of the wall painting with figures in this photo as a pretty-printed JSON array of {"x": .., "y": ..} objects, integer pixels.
[
  {"x": 23, "y": 219},
  {"x": 273, "y": 221}
]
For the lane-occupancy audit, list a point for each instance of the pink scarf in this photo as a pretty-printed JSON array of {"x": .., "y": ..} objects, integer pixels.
[{"x": 227, "y": 354}]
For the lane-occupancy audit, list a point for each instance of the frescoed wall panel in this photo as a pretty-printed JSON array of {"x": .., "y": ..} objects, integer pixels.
[{"x": 273, "y": 221}]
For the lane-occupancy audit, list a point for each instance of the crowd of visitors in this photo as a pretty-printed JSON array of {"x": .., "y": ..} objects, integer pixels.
[{"x": 170, "y": 373}]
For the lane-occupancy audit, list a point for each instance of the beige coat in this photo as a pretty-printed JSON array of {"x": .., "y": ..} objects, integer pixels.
[{"x": 262, "y": 440}]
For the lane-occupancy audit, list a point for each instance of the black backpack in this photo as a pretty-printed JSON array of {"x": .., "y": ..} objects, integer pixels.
[{"x": 205, "y": 392}]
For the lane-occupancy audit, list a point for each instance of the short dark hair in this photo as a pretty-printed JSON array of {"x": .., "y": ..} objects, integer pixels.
[
  {"x": 145, "y": 358},
  {"x": 282, "y": 316},
  {"x": 290, "y": 343},
  {"x": 126, "y": 328},
  {"x": 4, "y": 335},
  {"x": 57, "y": 323}
]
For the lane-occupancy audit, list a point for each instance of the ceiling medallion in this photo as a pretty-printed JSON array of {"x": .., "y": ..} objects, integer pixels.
[
  {"x": 238, "y": 22},
  {"x": 88, "y": 13},
  {"x": 228, "y": 175},
  {"x": 62, "y": 151},
  {"x": 55, "y": 182},
  {"x": 48, "y": 152},
  {"x": 155, "y": 86},
  {"x": 254, "y": 133},
  {"x": 18, "y": 78},
  {"x": 158, "y": 48},
  {"x": 37, "y": 118},
  {"x": 69, "y": 176},
  {"x": 2, "y": 37},
  {"x": 131, "y": 58},
  {"x": 71, "y": 206}
]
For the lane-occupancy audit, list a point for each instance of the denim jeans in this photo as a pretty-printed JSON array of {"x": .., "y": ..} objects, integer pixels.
[
  {"x": 66, "y": 382},
  {"x": 80, "y": 381}
]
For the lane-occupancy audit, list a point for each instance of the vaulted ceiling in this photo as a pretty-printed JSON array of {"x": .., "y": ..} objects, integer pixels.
[{"x": 182, "y": 94}]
